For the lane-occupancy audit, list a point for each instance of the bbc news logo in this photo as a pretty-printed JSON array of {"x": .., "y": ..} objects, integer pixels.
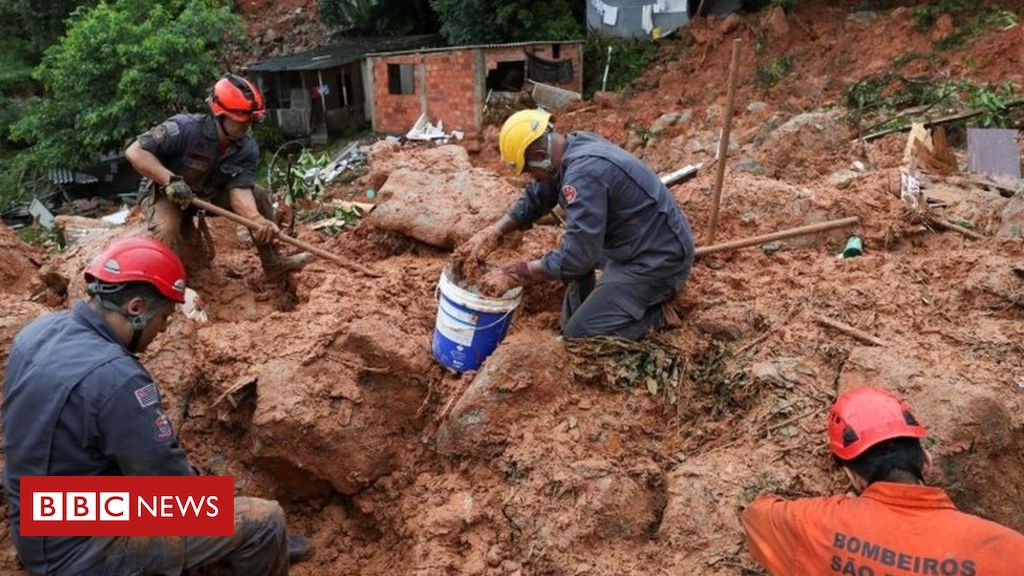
[{"x": 127, "y": 506}]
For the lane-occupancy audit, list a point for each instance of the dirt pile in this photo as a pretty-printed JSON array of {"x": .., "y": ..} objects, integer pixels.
[{"x": 18, "y": 262}]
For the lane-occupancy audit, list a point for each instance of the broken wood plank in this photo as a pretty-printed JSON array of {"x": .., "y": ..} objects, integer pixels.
[
  {"x": 781, "y": 235},
  {"x": 849, "y": 330}
]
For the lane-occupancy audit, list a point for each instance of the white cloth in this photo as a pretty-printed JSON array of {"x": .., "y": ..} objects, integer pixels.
[
  {"x": 675, "y": 6},
  {"x": 659, "y": 6},
  {"x": 647, "y": 18},
  {"x": 611, "y": 15}
]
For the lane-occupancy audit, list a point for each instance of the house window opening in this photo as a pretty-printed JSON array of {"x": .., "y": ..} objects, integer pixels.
[
  {"x": 507, "y": 77},
  {"x": 400, "y": 79}
]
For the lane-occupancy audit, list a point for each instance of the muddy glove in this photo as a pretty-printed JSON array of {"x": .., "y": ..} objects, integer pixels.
[
  {"x": 178, "y": 192},
  {"x": 266, "y": 232},
  {"x": 520, "y": 272},
  {"x": 497, "y": 282},
  {"x": 480, "y": 245}
]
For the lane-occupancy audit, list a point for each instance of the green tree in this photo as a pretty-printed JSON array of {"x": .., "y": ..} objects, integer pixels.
[
  {"x": 378, "y": 17},
  {"x": 26, "y": 29},
  {"x": 487, "y": 21},
  {"x": 121, "y": 67}
]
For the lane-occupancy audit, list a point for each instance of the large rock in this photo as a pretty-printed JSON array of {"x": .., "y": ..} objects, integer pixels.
[
  {"x": 526, "y": 372},
  {"x": 386, "y": 157},
  {"x": 441, "y": 208},
  {"x": 341, "y": 417}
]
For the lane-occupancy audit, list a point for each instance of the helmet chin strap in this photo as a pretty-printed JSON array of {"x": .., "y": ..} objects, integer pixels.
[
  {"x": 220, "y": 121},
  {"x": 546, "y": 164},
  {"x": 138, "y": 322}
]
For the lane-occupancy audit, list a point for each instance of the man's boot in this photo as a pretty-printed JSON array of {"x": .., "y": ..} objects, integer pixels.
[{"x": 275, "y": 265}]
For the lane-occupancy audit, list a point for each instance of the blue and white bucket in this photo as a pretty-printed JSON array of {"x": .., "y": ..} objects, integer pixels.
[{"x": 469, "y": 326}]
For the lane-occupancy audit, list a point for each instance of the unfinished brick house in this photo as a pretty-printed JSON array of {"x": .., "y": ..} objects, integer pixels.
[{"x": 453, "y": 84}]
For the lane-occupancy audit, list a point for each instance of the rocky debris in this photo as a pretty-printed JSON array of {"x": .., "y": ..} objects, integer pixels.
[
  {"x": 796, "y": 147},
  {"x": 526, "y": 373}
]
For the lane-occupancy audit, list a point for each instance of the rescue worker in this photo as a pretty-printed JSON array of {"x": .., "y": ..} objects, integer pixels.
[
  {"x": 77, "y": 402},
  {"x": 896, "y": 525},
  {"x": 619, "y": 216},
  {"x": 214, "y": 157}
]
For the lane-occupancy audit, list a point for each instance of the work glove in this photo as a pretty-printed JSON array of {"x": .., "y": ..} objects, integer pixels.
[
  {"x": 519, "y": 272},
  {"x": 497, "y": 282},
  {"x": 480, "y": 245},
  {"x": 178, "y": 192},
  {"x": 265, "y": 233}
]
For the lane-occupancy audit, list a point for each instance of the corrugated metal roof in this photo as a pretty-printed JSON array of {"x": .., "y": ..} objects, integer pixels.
[
  {"x": 474, "y": 47},
  {"x": 340, "y": 52},
  {"x": 65, "y": 176}
]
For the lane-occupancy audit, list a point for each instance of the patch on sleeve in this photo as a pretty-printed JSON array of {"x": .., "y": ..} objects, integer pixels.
[
  {"x": 160, "y": 133},
  {"x": 162, "y": 427},
  {"x": 147, "y": 395},
  {"x": 569, "y": 193}
]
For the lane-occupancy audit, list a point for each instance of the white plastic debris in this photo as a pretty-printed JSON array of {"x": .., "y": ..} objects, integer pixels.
[{"x": 191, "y": 308}]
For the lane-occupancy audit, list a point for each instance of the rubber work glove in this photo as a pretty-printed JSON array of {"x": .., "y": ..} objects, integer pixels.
[
  {"x": 266, "y": 232},
  {"x": 480, "y": 245},
  {"x": 178, "y": 192}
]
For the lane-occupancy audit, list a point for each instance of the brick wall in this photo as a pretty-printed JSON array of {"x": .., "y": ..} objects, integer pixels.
[
  {"x": 453, "y": 85},
  {"x": 395, "y": 113}
]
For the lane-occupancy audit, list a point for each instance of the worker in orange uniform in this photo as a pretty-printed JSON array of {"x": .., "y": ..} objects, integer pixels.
[{"x": 895, "y": 526}]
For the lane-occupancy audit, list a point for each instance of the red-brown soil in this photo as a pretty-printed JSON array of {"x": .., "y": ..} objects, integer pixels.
[{"x": 323, "y": 393}]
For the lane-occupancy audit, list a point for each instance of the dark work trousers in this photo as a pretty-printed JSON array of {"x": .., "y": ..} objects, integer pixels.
[
  {"x": 259, "y": 547},
  {"x": 614, "y": 306}
]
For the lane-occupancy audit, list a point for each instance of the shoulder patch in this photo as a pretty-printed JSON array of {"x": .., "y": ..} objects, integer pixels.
[
  {"x": 147, "y": 395},
  {"x": 569, "y": 193},
  {"x": 162, "y": 428}
]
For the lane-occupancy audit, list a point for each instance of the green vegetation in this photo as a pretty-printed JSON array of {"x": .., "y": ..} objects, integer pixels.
[
  {"x": 378, "y": 17},
  {"x": 120, "y": 67},
  {"x": 768, "y": 75},
  {"x": 887, "y": 93},
  {"x": 630, "y": 58},
  {"x": 968, "y": 21},
  {"x": 483, "y": 21}
]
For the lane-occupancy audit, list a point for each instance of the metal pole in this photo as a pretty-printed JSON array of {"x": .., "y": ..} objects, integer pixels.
[
  {"x": 723, "y": 145},
  {"x": 607, "y": 63}
]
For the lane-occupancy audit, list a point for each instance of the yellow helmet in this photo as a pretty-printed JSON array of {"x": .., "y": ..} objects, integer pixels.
[{"x": 518, "y": 132}]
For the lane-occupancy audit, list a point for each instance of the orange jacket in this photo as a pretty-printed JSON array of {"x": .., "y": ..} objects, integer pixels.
[{"x": 890, "y": 530}]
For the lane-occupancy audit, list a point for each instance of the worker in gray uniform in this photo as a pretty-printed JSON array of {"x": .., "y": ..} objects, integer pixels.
[{"x": 619, "y": 217}]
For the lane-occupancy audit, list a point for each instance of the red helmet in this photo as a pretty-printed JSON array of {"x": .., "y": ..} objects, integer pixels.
[
  {"x": 140, "y": 259},
  {"x": 237, "y": 98},
  {"x": 866, "y": 416}
]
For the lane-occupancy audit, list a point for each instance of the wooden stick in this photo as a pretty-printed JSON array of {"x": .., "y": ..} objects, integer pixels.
[
  {"x": 214, "y": 209},
  {"x": 723, "y": 144},
  {"x": 950, "y": 226},
  {"x": 781, "y": 235},
  {"x": 849, "y": 330}
]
